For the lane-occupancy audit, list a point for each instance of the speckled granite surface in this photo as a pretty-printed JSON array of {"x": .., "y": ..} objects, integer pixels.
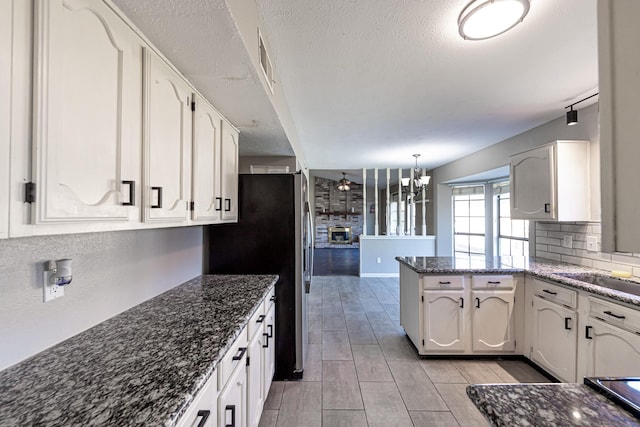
[
  {"x": 541, "y": 268},
  {"x": 516, "y": 405},
  {"x": 141, "y": 367}
]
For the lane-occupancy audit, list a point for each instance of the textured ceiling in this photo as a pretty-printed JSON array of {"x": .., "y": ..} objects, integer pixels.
[
  {"x": 370, "y": 82},
  {"x": 200, "y": 38}
]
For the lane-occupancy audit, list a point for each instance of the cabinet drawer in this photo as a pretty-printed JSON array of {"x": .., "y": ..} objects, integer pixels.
[
  {"x": 203, "y": 410},
  {"x": 270, "y": 299},
  {"x": 256, "y": 321},
  {"x": 443, "y": 282},
  {"x": 232, "y": 358},
  {"x": 614, "y": 314},
  {"x": 492, "y": 282},
  {"x": 557, "y": 294}
]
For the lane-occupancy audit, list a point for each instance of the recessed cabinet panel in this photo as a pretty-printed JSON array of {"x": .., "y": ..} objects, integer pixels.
[
  {"x": 554, "y": 339},
  {"x": 166, "y": 142},
  {"x": 229, "y": 173},
  {"x": 444, "y": 320},
  {"x": 611, "y": 351},
  {"x": 492, "y": 321},
  {"x": 86, "y": 117},
  {"x": 269, "y": 356},
  {"x": 206, "y": 163},
  {"x": 6, "y": 27},
  {"x": 232, "y": 410},
  {"x": 532, "y": 184}
]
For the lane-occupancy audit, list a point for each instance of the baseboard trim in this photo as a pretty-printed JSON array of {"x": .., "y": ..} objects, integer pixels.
[{"x": 379, "y": 274}]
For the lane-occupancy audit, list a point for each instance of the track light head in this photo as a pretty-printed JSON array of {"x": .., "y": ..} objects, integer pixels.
[{"x": 572, "y": 117}]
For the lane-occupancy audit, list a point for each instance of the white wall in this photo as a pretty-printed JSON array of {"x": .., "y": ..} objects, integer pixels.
[
  {"x": 245, "y": 162},
  {"x": 112, "y": 272},
  {"x": 386, "y": 249},
  {"x": 498, "y": 154}
]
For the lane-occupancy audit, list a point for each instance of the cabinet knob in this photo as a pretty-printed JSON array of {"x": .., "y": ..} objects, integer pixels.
[
  {"x": 205, "y": 416},
  {"x": 461, "y": 302},
  {"x": 158, "y": 204},
  {"x": 132, "y": 193},
  {"x": 587, "y": 332},
  {"x": 477, "y": 302},
  {"x": 567, "y": 326},
  {"x": 231, "y": 408}
]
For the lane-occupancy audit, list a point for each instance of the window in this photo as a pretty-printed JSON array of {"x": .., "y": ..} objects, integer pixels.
[
  {"x": 469, "y": 220},
  {"x": 512, "y": 235}
]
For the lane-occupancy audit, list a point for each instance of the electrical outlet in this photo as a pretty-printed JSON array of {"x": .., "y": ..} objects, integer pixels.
[
  {"x": 50, "y": 292},
  {"x": 592, "y": 243},
  {"x": 379, "y": 260},
  {"x": 567, "y": 241}
]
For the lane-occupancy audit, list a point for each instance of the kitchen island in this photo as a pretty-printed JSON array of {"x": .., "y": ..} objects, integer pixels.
[
  {"x": 515, "y": 405},
  {"x": 141, "y": 367}
]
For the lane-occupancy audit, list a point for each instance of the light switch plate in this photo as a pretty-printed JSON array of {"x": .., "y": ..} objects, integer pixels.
[
  {"x": 592, "y": 243},
  {"x": 567, "y": 241}
]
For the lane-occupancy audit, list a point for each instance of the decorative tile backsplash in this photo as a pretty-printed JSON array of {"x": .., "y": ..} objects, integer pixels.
[{"x": 549, "y": 237}]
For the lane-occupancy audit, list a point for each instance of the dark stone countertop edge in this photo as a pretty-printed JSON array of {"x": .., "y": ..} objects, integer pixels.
[{"x": 537, "y": 267}]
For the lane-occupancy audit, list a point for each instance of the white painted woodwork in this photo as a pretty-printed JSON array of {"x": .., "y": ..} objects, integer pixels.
[
  {"x": 551, "y": 182},
  {"x": 6, "y": 45},
  {"x": 206, "y": 175},
  {"x": 86, "y": 113},
  {"x": 611, "y": 351},
  {"x": 232, "y": 400},
  {"x": 167, "y": 140},
  {"x": 554, "y": 338},
  {"x": 399, "y": 229},
  {"x": 411, "y": 313},
  {"x": 229, "y": 173},
  {"x": 255, "y": 377},
  {"x": 269, "y": 355},
  {"x": 203, "y": 411},
  {"x": 492, "y": 323},
  {"x": 364, "y": 202},
  {"x": 619, "y": 68},
  {"x": 376, "y": 231},
  {"x": 388, "y": 205},
  {"x": 444, "y": 322}
]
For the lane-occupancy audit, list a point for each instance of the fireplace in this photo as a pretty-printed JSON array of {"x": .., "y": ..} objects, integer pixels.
[{"x": 340, "y": 235}]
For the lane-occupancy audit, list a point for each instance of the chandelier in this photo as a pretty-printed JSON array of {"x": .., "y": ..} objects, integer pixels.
[
  {"x": 420, "y": 180},
  {"x": 344, "y": 183}
]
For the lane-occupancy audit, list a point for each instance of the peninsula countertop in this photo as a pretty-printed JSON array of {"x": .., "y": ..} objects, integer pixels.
[
  {"x": 141, "y": 367},
  {"x": 517, "y": 405},
  {"x": 537, "y": 267}
]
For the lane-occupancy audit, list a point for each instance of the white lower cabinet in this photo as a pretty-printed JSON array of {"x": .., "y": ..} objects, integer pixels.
[
  {"x": 255, "y": 356},
  {"x": 232, "y": 401},
  {"x": 269, "y": 347},
  {"x": 444, "y": 321},
  {"x": 554, "y": 338},
  {"x": 492, "y": 322},
  {"x": 203, "y": 412},
  {"x": 611, "y": 351}
]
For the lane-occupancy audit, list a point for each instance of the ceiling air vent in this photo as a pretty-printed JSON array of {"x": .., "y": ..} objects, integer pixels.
[{"x": 265, "y": 62}]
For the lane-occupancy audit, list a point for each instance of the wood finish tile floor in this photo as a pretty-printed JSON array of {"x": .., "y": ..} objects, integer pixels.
[
  {"x": 361, "y": 369},
  {"x": 336, "y": 262}
]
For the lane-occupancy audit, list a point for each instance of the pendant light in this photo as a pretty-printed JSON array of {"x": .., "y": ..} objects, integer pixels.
[
  {"x": 344, "y": 183},
  {"x": 483, "y": 19},
  {"x": 420, "y": 182}
]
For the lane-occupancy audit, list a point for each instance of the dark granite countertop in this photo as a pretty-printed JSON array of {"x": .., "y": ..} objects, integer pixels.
[
  {"x": 537, "y": 267},
  {"x": 141, "y": 367},
  {"x": 516, "y": 405}
]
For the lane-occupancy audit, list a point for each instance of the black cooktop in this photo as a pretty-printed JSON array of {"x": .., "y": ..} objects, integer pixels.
[{"x": 623, "y": 391}]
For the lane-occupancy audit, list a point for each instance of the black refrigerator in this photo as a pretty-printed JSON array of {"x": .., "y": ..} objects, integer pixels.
[{"x": 273, "y": 235}]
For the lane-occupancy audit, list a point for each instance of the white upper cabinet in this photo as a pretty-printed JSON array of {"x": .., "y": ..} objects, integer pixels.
[
  {"x": 86, "y": 113},
  {"x": 207, "y": 135},
  {"x": 619, "y": 68},
  {"x": 167, "y": 140},
  {"x": 229, "y": 173},
  {"x": 551, "y": 182},
  {"x": 6, "y": 30}
]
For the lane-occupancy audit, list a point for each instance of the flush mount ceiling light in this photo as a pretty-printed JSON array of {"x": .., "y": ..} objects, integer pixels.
[
  {"x": 483, "y": 19},
  {"x": 572, "y": 115},
  {"x": 343, "y": 184},
  {"x": 420, "y": 181}
]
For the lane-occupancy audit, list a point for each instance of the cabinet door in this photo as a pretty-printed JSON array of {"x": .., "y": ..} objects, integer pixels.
[
  {"x": 206, "y": 163},
  {"x": 492, "y": 321},
  {"x": 167, "y": 125},
  {"x": 229, "y": 173},
  {"x": 554, "y": 339},
  {"x": 269, "y": 348},
  {"x": 532, "y": 184},
  {"x": 443, "y": 320},
  {"x": 6, "y": 30},
  {"x": 232, "y": 410},
  {"x": 86, "y": 113},
  {"x": 255, "y": 388},
  {"x": 611, "y": 351}
]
